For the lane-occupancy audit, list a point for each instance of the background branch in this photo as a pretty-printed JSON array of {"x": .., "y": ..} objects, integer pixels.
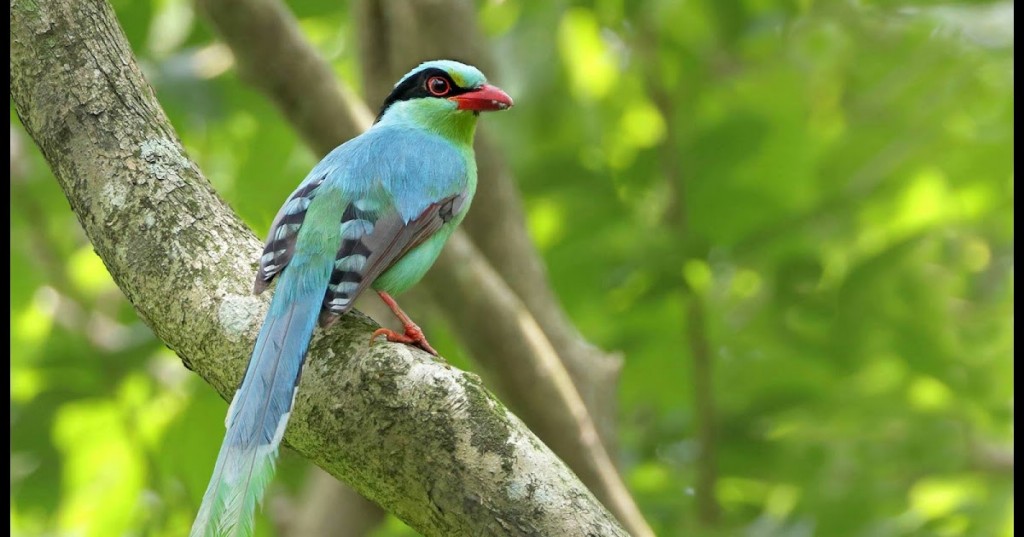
[
  {"x": 696, "y": 336},
  {"x": 704, "y": 404},
  {"x": 422, "y": 439}
]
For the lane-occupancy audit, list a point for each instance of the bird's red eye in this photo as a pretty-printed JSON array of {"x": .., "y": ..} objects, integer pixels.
[{"x": 438, "y": 86}]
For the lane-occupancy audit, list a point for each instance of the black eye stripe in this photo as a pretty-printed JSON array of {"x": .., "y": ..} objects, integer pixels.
[{"x": 415, "y": 87}]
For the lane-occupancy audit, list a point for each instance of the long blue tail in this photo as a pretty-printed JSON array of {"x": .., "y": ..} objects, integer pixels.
[{"x": 259, "y": 412}]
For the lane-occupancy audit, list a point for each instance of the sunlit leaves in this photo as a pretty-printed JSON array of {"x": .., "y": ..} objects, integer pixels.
[
  {"x": 103, "y": 473},
  {"x": 497, "y": 17},
  {"x": 587, "y": 57},
  {"x": 87, "y": 273},
  {"x": 843, "y": 176}
]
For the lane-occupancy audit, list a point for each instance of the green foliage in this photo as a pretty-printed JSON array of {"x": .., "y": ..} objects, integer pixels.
[{"x": 831, "y": 182}]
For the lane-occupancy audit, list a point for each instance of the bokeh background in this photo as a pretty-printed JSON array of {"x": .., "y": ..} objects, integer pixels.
[{"x": 793, "y": 219}]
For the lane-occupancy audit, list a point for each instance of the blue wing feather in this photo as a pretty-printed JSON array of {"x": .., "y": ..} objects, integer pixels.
[{"x": 390, "y": 166}]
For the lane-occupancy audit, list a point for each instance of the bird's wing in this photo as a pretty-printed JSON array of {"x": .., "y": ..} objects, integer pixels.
[
  {"x": 280, "y": 245},
  {"x": 372, "y": 241},
  {"x": 401, "y": 186}
]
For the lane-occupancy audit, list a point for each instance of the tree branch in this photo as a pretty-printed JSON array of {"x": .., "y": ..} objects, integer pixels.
[
  {"x": 506, "y": 337},
  {"x": 697, "y": 337},
  {"x": 704, "y": 403},
  {"x": 424, "y": 440}
]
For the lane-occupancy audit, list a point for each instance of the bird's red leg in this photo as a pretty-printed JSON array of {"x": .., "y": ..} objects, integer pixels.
[{"x": 413, "y": 335}]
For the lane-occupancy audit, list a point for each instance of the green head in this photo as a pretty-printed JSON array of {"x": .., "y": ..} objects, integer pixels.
[{"x": 444, "y": 96}]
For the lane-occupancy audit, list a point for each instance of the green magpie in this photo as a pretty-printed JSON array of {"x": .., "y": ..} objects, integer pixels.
[{"x": 375, "y": 212}]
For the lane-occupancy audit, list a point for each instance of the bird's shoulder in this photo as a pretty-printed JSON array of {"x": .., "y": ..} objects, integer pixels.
[
  {"x": 393, "y": 152},
  {"x": 408, "y": 165}
]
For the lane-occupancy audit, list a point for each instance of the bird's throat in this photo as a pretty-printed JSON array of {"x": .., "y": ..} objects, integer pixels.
[
  {"x": 434, "y": 115},
  {"x": 457, "y": 127}
]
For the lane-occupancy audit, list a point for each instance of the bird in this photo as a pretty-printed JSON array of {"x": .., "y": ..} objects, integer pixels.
[{"x": 373, "y": 213}]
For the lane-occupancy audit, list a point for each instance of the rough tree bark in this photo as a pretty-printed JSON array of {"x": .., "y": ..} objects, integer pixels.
[{"x": 422, "y": 439}]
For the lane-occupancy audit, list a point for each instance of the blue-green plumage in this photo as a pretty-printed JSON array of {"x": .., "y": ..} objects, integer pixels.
[{"x": 375, "y": 212}]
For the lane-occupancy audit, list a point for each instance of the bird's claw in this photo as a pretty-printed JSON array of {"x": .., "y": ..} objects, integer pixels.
[{"x": 412, "y": 336}]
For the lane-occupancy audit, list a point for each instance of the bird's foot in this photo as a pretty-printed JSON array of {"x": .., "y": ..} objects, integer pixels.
[{"x": 412, "y": 336}]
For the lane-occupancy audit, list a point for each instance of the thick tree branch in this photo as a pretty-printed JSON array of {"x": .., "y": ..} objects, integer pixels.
[
  {"x": 506, "y": 337},
  {"x": 424, "y": 440}
]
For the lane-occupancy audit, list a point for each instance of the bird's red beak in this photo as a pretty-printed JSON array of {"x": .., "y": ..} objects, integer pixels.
[{"x": 487, "y": 98}]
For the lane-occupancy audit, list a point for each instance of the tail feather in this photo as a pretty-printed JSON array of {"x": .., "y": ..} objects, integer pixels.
[{"x": 260, "y": 410}]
